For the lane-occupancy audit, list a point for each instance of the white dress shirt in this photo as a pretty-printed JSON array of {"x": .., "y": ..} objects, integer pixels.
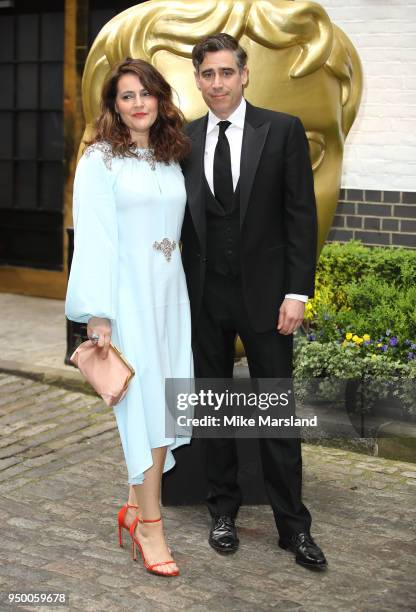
[{"x": 234, "y": 134}]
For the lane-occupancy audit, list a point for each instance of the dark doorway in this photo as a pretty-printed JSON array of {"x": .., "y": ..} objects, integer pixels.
[
  {"x": 31, "y": 134},
  {"x": 31, "y": 127}
]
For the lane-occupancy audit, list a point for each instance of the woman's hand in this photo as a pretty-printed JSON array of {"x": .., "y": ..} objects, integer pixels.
[{"x": 101, "y": 328}]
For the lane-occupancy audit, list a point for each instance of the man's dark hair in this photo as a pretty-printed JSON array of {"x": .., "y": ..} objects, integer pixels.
[{"x": 218, "y": 42}]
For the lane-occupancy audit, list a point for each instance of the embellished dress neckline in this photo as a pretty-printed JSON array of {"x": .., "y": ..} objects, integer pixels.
[
  {"x": 145, "y": 154},
  {"x": 142, "y": 154}
]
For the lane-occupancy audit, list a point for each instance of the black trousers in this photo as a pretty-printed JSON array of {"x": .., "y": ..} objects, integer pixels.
[{"x": 269, "y": 355}]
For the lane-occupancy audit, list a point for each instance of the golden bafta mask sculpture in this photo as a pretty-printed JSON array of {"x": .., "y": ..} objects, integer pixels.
[{"x": 299, "y": 63}]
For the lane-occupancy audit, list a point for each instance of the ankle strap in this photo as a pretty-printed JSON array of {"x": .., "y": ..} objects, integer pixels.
[
  {"x": 138, "y": 520},
  {"x": 150, "y": 520}
]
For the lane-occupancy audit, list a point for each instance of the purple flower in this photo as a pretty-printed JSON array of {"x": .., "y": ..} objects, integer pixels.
[
  {"x": 410, "y": 356},
  {"x": 413, "y": 347},
  {"x": 311, "y": 337},
  {"x": 393, "y": 341},
  {"x": 367, "y": 342},
  {"x": 384, "y": 347}
]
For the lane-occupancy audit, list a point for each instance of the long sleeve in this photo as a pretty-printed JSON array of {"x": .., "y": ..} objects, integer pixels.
[
  {"x": 300, "y": 214},
  {"x": 92, "y": 286}
]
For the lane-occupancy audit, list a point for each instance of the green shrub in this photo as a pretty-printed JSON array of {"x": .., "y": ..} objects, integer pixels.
[
  {"x": 341, "y": 264},
  {"x": 334, "y": 362},
  {"x": 369, "y": 292}
]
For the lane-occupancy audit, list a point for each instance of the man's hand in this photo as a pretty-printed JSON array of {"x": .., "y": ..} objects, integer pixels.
[
  {"x": 102, "y": 328},
  {"x": 291, "y": 314}
]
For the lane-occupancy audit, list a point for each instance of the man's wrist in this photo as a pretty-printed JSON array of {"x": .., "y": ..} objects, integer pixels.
[{"x": 297, "y": 296}]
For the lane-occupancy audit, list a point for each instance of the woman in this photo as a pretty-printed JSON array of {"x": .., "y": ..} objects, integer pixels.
[{"x": 127, "y": 280}]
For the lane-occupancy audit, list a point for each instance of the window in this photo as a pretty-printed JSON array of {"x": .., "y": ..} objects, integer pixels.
[{"x": 31, "y": 143}]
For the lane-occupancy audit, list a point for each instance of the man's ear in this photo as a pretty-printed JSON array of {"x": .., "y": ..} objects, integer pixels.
[{"x": 244, "y": 75}]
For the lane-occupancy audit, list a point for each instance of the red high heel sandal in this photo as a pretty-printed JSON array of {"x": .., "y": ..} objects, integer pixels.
[
  {"x": 121, "y": 524},
  {"x": 135, "y": 542}
]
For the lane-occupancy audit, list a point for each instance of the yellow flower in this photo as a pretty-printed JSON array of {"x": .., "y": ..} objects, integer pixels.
[
  {"x": 366, "y": 338},
  {"x": 357, "y": 339},
  {"x": 344, "y": 343},
  {"x": 348, "y": 336},
  {"x": 309, "y": 311},
  {"x": 379, "y": 344}
]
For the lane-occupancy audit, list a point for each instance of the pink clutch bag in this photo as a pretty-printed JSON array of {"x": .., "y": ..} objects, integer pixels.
[{"x": 109, "y": 377}]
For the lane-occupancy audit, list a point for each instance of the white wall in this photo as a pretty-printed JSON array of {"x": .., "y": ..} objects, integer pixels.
[{"x": 380, "y": 150}]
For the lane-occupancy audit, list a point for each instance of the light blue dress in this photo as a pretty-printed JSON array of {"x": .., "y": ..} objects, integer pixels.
[{"x": 122, "y": 270}]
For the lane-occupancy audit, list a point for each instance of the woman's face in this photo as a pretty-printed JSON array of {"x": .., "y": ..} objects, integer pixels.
[{"x": 138, "y": 108}]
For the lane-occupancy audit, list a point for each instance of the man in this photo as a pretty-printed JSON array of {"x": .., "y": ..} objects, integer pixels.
[{"x": 249, "y": 250}]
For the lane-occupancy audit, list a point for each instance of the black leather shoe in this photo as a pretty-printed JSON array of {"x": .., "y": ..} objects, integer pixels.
[
  {"x": 223, "y": 535},
  {"x": 306, "y": 550}
]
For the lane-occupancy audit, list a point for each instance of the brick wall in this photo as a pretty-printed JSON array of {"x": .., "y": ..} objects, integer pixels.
[
  {"x": 380, "y": 152},
  {"x": 377, "y": 204},
  {"x": 375, "y": 217}
]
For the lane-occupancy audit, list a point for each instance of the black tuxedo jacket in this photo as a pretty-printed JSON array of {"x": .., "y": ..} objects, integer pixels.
[{"x": 277, "y": 214}]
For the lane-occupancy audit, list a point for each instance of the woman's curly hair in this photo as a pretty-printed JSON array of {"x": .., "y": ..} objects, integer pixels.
[{"x": 166, "y": 136}]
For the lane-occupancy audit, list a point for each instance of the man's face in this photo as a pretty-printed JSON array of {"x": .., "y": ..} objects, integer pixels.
[{"x": 221, "y": 82}]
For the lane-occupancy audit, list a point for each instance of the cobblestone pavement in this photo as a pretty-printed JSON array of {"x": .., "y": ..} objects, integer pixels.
[
  {"x": 62, "y": 480},
  {"x": 32, "y": 331},
  {"x": 33, "y": 339}
]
